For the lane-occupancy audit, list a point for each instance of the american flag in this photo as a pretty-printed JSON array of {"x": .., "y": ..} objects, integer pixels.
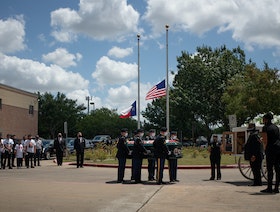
[{"x": 157, "y": 91}]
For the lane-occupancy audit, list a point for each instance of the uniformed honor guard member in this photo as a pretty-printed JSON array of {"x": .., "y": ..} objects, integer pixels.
[
  {"x": 254, "y": 153},
  {"x": 215, "y": 149},
  {"x": 173, "y": 161},
  {"x": 137, "y": 155},
  {"x": 161, "y": 152},
  {"x": 122, "y": 154},
  {"x": 151, "y": 160}
]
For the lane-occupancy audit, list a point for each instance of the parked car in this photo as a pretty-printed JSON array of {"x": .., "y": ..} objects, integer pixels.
[
  {"x": 70, "y": 145},
  {"x": 101, "y": 138},
  {"x": 48, "y": 149}
]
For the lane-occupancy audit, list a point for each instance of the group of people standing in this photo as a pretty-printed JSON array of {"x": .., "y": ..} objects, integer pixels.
[
  {"x": 27, "y": 150},
  {"x": 156, "y": 162}
]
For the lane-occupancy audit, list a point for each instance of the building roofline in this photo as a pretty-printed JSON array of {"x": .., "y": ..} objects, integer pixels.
[{"x": 10, "y": 88}]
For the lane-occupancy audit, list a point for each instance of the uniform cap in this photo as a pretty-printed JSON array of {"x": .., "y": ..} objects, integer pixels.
[
  {"x": 140, "y": 130},
  {"x": 163, "y": 129},
  {"x": 124, "y": 130},
  {"x": 152, "y": 130}
]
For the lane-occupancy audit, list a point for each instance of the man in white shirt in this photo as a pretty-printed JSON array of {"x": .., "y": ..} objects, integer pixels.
[
  {"x": 30, "y": 149},
  {"x": 8, "y": 147}
]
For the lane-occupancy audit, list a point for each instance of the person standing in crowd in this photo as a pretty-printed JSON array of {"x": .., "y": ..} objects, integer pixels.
[
  {"x": 215, "y": 149},
  {"x": 24, "y": 138},
  {"x": 60, "y": 147},
  {"x": 37, "y": 156},
  {"x": 79, "y": 146},
  {"x": 19, "y": 153},
  {"x": 122, "y": 154},
  {"x": 2, "y": 151},
  {"x": 272, "y": 156},
  {"x": 30, "y": 149},
  {"x": 13, "y": 156},
  {"x": 151, "y": 160},
  {"x": 8, "y": 147},
  {"x": 137, "y": 155},
  {"x": 173, "y": 161},
  {"x": 254, "y": 153},
  {"x": 161, "y": 153}
]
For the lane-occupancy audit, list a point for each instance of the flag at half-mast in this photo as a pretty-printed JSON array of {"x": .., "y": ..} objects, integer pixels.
[
  {"x": 128, "y": 112},
  {"x": 157, "y": 91}
]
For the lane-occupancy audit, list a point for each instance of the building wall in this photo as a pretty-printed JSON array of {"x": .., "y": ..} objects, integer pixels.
[{"x": 15, "y": 114}]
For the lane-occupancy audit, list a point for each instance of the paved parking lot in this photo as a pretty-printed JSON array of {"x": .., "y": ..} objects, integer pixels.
[{"x": 66, "y": 188}]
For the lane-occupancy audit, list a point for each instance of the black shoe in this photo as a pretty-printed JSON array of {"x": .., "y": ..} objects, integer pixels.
[
  {"x": 32, "y": 167},
  {"x": 267, "y": 191},
  {"x": 10, "y": 167},
  {"x": 211, "y": 178},
  {"x": 120, "y": 181},
  {"x": 276, "y": 191},
  {"x": 177, "y": 180}
]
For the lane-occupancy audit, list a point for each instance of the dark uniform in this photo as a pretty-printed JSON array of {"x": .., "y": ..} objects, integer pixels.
[
  {"x": 122, "y": 154},
  {"x": 151, "y": 160},
  {"x": 59, "y": 146},
  {"x": 173, "y": 162},
  {"x": 79, "y": 146},
  {"x": 254, "y": 153},
  {"x": 137, "y": 156},
  {"x": 161, "y": 152},
  {"x": 215, "y": 158},
  {"x": 272, "y": 157}
]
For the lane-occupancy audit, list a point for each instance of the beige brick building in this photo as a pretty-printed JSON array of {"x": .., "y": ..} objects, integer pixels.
[{"x": 18, "y": 112}]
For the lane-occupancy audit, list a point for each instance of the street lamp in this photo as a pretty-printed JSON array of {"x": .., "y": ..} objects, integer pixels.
[
  {"x": 92, "y": 103},
  {"x": 138, "y": 106}
]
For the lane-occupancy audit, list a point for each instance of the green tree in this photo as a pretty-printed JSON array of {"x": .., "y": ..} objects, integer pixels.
[
  {"x": 253, "y": 92},
  {"x": 104, "y": 121},
  {"x": 195, "y": 98},
  {"x": 54, "y": 111}
]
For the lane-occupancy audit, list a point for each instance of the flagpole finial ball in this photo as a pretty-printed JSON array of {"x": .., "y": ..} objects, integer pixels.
[
  {"x": 138, "y": 35},
  {"x": 166, "y": 26}
]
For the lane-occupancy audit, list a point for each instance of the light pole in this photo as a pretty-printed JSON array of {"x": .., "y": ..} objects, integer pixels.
[
  {"x": 92, "y": 103},
  {"x": 138, "y": 103},
  {"x": 88, "y": 98},
  {"x": 167, "y": 83}
]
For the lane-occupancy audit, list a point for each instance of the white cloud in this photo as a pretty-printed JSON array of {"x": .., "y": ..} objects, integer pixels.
[
  {"x": 114, "y": 72},
  {"x": 62, "y": 58},
  {"x": 34, "y": 76},
  {"x": 12, "y": 35},
  {"x": 97, "y": 19},
  {"x": 248, "y": 20},
  {"x": 119, "y": 52}
]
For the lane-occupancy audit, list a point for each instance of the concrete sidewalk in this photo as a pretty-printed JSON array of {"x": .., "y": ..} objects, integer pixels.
[{"x": 52, "y": 188}]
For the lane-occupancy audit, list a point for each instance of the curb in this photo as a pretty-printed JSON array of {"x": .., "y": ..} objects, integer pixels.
[{"x": 145, "y": 166}]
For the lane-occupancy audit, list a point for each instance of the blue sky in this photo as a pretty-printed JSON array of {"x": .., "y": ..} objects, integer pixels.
[{"x": 89, "y": 47}]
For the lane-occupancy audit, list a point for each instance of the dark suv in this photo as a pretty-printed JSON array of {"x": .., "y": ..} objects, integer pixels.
[{"x": 48, "y": 149}]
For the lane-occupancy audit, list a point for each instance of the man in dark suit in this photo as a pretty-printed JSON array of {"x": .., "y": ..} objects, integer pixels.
[
  {"x": 59, "y": 146},
  {"x": 79, "y": 146}
]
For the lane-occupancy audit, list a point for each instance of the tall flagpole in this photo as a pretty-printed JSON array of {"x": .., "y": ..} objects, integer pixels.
[
  {"x": 138, "y": 102},
  {"x": 167, "y": 83}
]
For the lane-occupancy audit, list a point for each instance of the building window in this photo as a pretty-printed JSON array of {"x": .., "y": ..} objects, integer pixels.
[
  {"x": 31, "y": 109},
  {"x": 0, "y": 104}
]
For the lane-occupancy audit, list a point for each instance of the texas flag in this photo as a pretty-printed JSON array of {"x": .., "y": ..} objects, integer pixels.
[{"x": 131, "y": 111}]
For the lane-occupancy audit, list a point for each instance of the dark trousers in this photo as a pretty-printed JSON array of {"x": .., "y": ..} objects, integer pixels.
[
  {"x": 7, "y": 156},
  {"x": 137, "y": 166},
  {"x": 59, "y": 158},
  {"x": 80, "y": 159},
  {"x": 160, "y": 168},
  {"x": 272, "y": 161},
  {"x": 19, "y": 162},
  {"x": 37, "y": 157},
  {"x": 151, "y": 168},
  {"x": 121, "y": 168},
  {"x": 256, "y": 169},
  {"x": 29, "y": 158},
  {"x": 215, "y": 162},
  {"x": 172, "y": 165}
]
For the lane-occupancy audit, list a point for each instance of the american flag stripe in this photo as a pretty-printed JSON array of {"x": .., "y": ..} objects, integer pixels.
[{"x": 157, "y": 91}]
